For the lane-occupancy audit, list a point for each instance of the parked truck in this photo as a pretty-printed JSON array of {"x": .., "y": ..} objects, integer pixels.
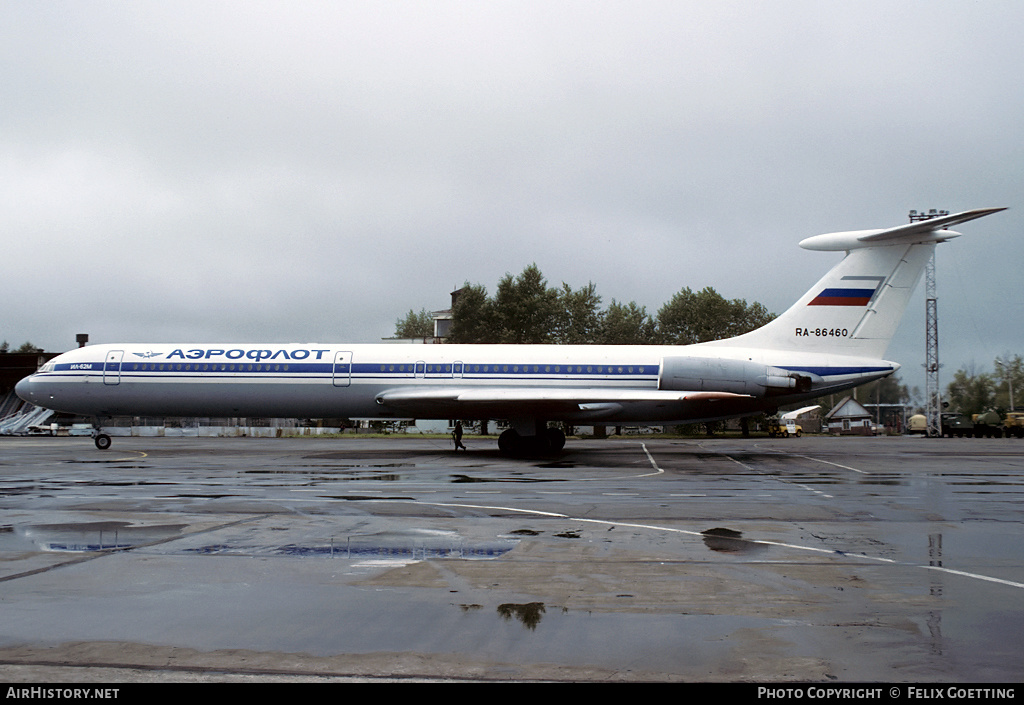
[
  {"x": 985, "y": 425},
  {"x": 988, "y": 425},
  {"x": 954, "y": 424},
  {"x": 783, "y": 428},
  {"x": 1014, "y": 424},
  {"x": 917, "y": 424}
]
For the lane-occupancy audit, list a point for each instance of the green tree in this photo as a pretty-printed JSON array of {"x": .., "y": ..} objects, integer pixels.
[
  {"x": 970, "y": 392},
  {"x": 525, "y": 309},
  {"x": 25, "y": 347},
  {"x": 696, "y": 317},
  {"x": 472, "y": 320},
  {"x": 579, "y": 320},
  {"x": 627, "y": 324},
  {"x": 415, "y": 325},
  {"x": 887, "y": 390},
  {"x": 1009, "y": 377}
]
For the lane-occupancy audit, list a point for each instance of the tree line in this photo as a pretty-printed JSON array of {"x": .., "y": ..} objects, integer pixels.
[
  {"x": 969, "y": 392},
  {"x": 26, "y": 347},
  {"x": 525, "y": 309},
  {"x": 973, "y": 392}
]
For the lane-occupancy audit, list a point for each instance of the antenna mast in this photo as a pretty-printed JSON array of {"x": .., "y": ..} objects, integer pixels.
[{"x": 933, "y": 397}]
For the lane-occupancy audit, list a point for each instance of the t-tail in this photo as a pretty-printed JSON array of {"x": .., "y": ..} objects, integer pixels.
[{"x": 855, "y": 309}]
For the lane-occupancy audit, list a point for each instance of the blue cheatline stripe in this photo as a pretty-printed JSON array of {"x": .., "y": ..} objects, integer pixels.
[
  {"x": 836, "y": 371},
  {"x": 367, "y": 369},
  {"x": 384, "y": 371}
]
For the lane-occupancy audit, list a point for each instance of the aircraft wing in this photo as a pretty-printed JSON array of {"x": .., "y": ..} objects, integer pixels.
[{"x": 501, "y": 402}]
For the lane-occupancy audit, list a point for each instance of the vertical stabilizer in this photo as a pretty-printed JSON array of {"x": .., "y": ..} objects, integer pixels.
[
  {"x": 856, "y": 308},
  {"x": 853, "y": 310}
]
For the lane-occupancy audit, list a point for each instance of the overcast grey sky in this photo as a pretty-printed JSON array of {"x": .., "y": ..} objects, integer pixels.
[{"x": 310, "y": 171}]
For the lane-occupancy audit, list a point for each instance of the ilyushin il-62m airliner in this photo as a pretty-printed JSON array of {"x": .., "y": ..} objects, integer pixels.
[{"x": 832, "y": 339}]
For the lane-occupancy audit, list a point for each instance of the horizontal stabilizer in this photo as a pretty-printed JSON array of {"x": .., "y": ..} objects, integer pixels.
[{"x": 930, "y": 230}]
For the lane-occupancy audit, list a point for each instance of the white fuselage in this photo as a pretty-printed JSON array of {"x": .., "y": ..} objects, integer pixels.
[{"x": 607, "y": 382}]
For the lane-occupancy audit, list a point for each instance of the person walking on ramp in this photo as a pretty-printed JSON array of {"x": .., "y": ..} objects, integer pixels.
[{"x": 457, "y": 436}]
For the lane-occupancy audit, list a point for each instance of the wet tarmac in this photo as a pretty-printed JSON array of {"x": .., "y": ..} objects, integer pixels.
[{"x": 627, "y": 559}]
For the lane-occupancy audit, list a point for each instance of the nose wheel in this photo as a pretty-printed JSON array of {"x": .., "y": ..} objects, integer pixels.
[{"x": 101, "y": 440}]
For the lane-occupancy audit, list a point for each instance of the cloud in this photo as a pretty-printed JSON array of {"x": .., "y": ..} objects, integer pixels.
[{"x": 267, "y": 171}]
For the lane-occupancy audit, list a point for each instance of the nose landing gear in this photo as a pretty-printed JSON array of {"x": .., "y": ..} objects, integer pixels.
[{"x": 101, "y": 439}]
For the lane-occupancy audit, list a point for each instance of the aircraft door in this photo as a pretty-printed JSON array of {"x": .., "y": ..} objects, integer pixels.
[
  {"x": 112, "y": 367},
  {"x": 342, "y": 369}
]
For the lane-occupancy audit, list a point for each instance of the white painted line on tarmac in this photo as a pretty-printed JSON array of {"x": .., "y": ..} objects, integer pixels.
[
  {"x": 688, "y": 532},
  {"x": 829, "y": 462}
]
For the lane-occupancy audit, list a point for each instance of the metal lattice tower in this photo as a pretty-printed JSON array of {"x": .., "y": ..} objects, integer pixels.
[{"x": 933, "y": 396}]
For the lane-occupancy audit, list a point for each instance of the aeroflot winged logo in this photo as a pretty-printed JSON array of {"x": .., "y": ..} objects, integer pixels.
[
  {"x": 147, "y": 355},
  {"x": 853, "y": 296}
]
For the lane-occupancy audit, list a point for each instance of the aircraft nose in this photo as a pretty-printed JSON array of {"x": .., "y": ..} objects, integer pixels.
[{"x": 26, "y": 390}]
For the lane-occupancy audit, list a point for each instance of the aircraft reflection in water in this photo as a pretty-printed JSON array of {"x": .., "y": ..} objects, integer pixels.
[
  {"x": 400, "y": 547},
  {"x": 832, "y": 339}
]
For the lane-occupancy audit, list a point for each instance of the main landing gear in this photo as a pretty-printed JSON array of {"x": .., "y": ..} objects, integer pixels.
[{"x": 545, "y": 442}]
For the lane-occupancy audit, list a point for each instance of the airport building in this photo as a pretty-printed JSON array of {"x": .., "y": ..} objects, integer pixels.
[
  {"x": 16, "y": 416},
  {"x": 849, "y": 418}
]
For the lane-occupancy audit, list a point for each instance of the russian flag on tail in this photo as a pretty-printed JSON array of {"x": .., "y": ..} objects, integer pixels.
[{"x": 843, "y": 297}]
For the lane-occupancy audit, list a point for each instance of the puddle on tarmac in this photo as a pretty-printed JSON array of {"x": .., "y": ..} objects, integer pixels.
[
  {"x": 364, "y": 498},
  {"x": 81, "y": 461},
  {"x": 320, "y": 468},
  {"x": 354, "y": 472},
  {"x": 244, "y": 609},
  {"x": 122, "y": 483},
  {"x": 456, "y": 479},
  {"x": 95, "y": 536},
  {"x": 394, "y": 547}
]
